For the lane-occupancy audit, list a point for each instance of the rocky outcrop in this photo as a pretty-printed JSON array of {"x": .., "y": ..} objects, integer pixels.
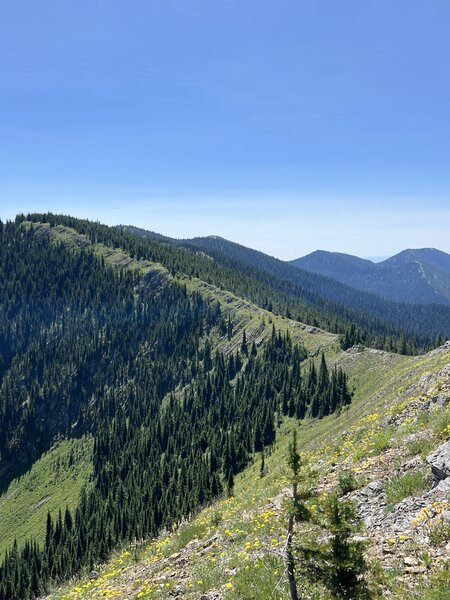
[{"x": 439, "y": 461}]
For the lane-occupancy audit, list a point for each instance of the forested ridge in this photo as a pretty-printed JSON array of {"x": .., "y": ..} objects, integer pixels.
[
  {"x": 360, "y": 316},
  {"x": 67, "y": 322},
  {"x": 85, "y": 347}
]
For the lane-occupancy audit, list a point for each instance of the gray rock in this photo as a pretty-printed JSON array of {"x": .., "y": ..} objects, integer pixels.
[
  {"x": 386, "y": 421},
  {"x": 376, "y": 487},
  {"x": 360, "y": 538},
  {"x": 414, "y": 463},
  {"x": 443, "y": 486},
  {"x": 441, "y": 400},
  {"x": 439, "y": 461}
]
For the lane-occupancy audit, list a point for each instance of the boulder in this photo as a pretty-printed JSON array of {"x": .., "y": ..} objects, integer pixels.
[{"x": 439, "y": 461}]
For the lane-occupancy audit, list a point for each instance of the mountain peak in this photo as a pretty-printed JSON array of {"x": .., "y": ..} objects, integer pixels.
[
  {"x": 432, "y": 257},
  {"x": 325, "y": 263},
  {"x": 414, "y": 275}
]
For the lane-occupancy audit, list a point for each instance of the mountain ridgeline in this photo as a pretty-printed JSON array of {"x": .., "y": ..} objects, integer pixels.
[
  {"x": 128, "y": 358},
  {"x": 317, "y": 299},
  {"x": 416, "y": 276}
]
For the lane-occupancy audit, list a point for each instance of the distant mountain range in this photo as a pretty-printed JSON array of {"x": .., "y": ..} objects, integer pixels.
[
  {"x": 317, "y": 291},
  {"x": 413, "y": 276},
  {"x": 416, "y": 276}
]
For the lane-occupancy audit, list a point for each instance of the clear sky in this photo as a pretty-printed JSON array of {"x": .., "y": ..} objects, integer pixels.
[{"x": 284, "y": 125}]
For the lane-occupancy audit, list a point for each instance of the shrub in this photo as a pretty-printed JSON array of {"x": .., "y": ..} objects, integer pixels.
[
  {"x": 344, "y": 567},
  {"x": 262, "y": 579},
  {"x": 381, "y": 442},
  {"x": 347, "y": 482}
]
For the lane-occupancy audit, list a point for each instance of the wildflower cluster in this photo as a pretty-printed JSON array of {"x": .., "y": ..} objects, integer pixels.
[
  {"x": 431, "y": 515},
  {"x": 364, "y": 438}
]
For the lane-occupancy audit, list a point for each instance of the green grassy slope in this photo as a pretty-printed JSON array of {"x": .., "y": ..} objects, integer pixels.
[{"x": 53, "y": 482}]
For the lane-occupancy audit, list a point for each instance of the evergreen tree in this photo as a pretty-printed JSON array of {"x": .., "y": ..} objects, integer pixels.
[
  {"x": 344, "y": 564},
  {"x": 244, "y": 348}
]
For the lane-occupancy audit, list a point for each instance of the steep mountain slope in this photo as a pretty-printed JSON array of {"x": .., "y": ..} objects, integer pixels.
[
  {"x": 120, "y": 348},
  {"x": 54, "y": 481},
  {"x": 417, "y": 276},
  {"x": 39, "y": 489},
  {"x": 163, "y": 379},
  {"x": 370, "y": 313},
  {"x": 234, "y": 549}
]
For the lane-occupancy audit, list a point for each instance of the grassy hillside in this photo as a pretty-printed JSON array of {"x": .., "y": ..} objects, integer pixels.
[
  {"x": 233, "y": 549},
  {"x": 53, "y": 482}
]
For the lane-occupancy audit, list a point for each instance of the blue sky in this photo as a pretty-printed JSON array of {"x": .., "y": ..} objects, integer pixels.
[{"x": 284, "y": 125}]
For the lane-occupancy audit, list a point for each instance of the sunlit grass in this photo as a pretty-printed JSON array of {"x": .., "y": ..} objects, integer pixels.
[{"x": 54, "y": 481}]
